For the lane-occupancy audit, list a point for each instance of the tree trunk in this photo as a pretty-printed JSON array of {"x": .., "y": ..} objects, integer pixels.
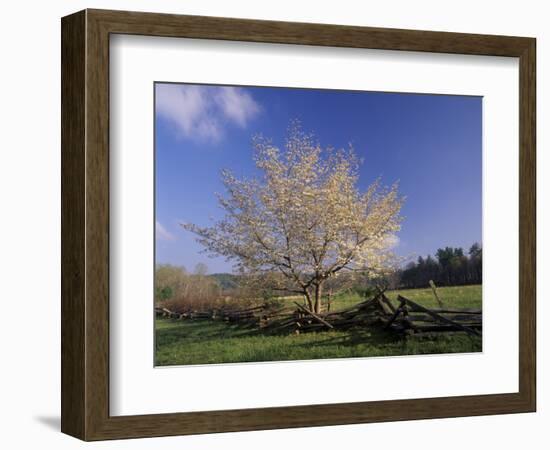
[
  {"x": 307, "y": 296},
  {"x": 318, "y": 294}
]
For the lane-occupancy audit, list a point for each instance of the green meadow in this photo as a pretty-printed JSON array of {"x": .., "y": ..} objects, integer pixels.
[{"x": 209, "y": 341}]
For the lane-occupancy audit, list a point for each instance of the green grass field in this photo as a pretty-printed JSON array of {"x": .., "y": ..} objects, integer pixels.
[{"x": 207, "y": 341}]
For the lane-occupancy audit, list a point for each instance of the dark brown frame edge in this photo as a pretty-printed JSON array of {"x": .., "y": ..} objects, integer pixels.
[{"x": 85, "y": 224}]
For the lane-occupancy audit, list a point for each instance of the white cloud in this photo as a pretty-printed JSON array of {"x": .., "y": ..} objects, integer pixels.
[
  {"x": 203, "y": 112},
  {"x": 162, "y": 233},
  {"x": 237, "y": 105}
]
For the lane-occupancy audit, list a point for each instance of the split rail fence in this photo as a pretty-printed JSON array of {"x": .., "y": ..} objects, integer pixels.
[{"x": 405, "y": 317}]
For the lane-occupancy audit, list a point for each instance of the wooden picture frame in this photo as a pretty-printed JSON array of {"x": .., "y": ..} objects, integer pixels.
[{"x": 85, "y": 224}]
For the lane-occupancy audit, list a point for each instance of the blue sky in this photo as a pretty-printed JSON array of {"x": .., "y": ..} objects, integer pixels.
[{"x": 431, "y": 144}]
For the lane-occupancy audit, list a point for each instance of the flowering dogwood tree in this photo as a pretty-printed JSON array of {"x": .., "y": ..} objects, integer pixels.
[{"x": 304, "y": 220}]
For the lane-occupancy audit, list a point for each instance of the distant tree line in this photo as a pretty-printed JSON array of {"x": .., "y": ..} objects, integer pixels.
[
  {"x": 450, "y": 267},
  {"x": 172, "y": 282},
  {"x": 177, "y": 288}
]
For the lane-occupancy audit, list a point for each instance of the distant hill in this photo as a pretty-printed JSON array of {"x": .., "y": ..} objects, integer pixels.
[{"x": 226, "y": 280}]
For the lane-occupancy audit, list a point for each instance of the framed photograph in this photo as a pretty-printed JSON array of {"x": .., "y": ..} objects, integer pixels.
[{"x": 273, "y": 225}]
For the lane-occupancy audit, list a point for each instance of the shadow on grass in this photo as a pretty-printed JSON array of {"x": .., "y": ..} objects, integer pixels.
[
  {"x": 209, "y": 342},
  {"x": 355, "y": 336},
  {"x": 204, "y": 330},
  {"x": 214, "y": 330}
]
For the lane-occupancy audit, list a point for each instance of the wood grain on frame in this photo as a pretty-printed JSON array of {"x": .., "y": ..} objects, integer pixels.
[{"x": 85, "y": 224}]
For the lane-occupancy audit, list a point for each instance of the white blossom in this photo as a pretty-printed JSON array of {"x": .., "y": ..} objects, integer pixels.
[{"x": 304, "y": 218}]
